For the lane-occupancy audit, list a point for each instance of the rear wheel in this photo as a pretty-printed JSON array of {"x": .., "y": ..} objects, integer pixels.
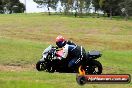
[
  {"x": 93, "y": 67},
  {"x": 81, "y": 80}
]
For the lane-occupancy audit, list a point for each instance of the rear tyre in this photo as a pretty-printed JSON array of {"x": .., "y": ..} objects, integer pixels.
[
  {"x": 93, "y": 67},
  {"x": 40, "y": 66},
  {"x": 81, "y": 80}
]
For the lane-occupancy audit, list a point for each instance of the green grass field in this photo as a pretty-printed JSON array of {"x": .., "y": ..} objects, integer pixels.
[{"x": 23, "y": 37}]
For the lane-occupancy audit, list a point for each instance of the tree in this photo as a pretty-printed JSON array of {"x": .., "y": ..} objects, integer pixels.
[
  {"x": 81, "y": 6},
  {"x": 1, "y": 7},
  {"x": 12, "y": 6},
  {"x": 108, "y": 7},
  {"x": 87, "y": 5},
  {"x": 77, "y": 5},
  {"x": 96, "y": 4},
  {"x": 68, "y": 5},
  {"x": 18, "y": 8},
  {"x": 126, "y": 8},
  {"x": 111, "y": 7},
  {"x": 48, "y": 3}
]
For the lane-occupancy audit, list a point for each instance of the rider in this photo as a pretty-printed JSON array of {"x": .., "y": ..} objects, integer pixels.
[{"x": 71, "y": 51}]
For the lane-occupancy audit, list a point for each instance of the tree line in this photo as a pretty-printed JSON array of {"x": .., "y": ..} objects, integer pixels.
[
  {"x": 78, "y": 7},
  {"x": 11, "y": 6},
  {"x": 108, "y": 7}
]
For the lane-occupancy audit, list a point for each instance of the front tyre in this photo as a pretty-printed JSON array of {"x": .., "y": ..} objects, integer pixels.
[
  {"x": 40, "y": 66},
  {"x": 93, "y": 67}
]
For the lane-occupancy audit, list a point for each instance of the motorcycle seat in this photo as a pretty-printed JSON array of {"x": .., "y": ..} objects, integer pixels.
[{"x": 94, "y": 53}]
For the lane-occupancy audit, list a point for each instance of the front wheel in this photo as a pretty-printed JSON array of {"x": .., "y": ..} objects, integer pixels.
[
  {"x": 40, "y": 66},
  {"x": 93, "y": 67}
]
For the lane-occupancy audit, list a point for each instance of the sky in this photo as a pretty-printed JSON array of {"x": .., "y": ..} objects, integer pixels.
[{"x": 31, "y": 7}]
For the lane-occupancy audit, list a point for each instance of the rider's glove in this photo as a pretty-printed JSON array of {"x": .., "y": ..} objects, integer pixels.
[{"x": 61, "y": 58}]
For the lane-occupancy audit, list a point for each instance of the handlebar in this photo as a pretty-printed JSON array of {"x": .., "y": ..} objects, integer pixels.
[{"x": 56, "y": 47}]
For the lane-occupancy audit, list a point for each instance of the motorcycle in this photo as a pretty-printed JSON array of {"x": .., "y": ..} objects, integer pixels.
[{"x": 51, "y": 62}]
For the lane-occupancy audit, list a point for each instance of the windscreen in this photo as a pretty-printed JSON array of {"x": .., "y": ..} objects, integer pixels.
[{"x": 47, "y": 49}]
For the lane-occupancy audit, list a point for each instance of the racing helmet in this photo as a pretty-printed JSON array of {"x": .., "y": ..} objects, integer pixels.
[{"x": 60, "y": 41}]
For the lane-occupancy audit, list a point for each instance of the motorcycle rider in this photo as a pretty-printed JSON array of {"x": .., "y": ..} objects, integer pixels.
[{"x": 71, "y": 51}]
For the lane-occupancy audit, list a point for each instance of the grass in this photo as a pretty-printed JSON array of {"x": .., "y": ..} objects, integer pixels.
[
  {"x": 34, "y": 79},
  {"x": 19, "y": 52},
  {"x": 24, "y": 36}
]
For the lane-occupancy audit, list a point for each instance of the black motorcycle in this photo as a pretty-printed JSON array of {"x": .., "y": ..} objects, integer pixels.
[{"x": 51, "y": 62}]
